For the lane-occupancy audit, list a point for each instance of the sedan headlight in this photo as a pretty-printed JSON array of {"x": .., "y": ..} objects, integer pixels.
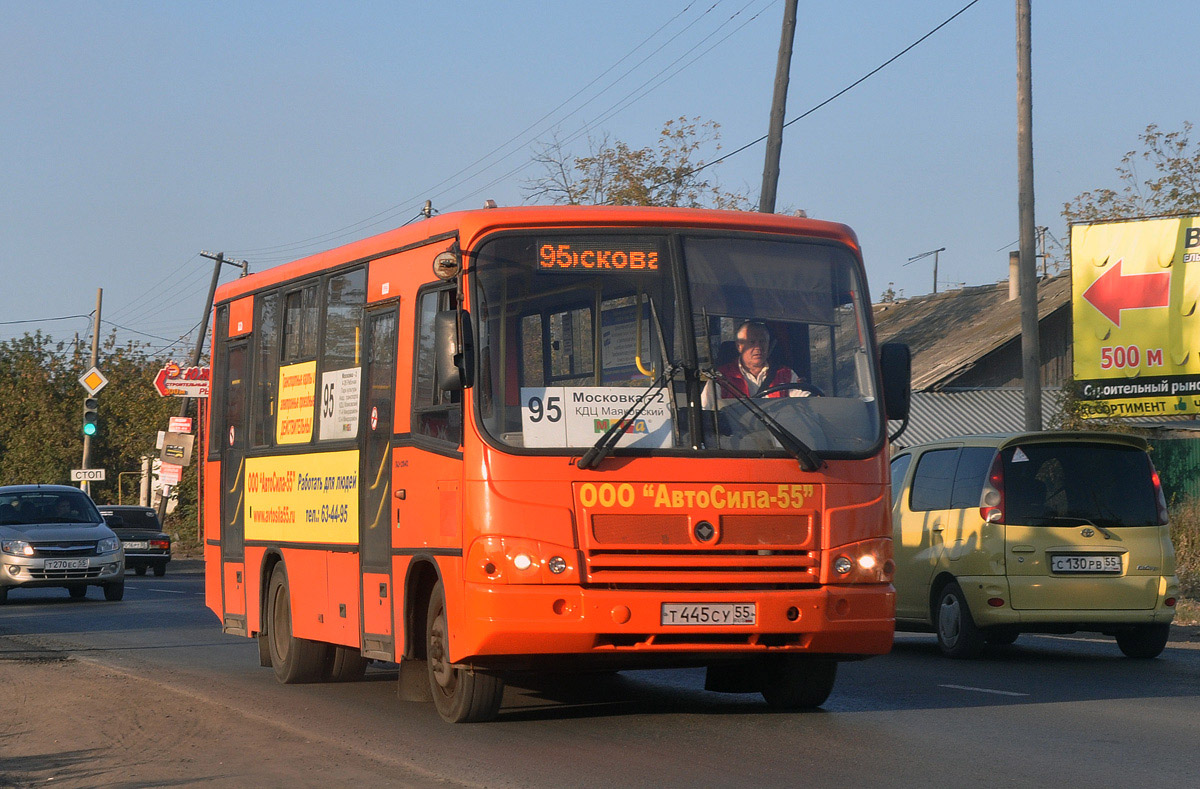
[
  {"x": 17, "y": 548},
  {"x": 108, "y": 545}
]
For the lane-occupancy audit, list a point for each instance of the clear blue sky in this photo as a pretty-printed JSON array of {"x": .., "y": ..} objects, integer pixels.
[{"x": 136, "y": 134}]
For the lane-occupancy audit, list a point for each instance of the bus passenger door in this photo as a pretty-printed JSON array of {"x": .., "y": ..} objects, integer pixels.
[
  {"x": 375, "y": 521},
  {"x": 233, "y": 477}
]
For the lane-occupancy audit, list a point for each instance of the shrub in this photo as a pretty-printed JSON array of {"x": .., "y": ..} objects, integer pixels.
[{"x": 1185, "y": 534}]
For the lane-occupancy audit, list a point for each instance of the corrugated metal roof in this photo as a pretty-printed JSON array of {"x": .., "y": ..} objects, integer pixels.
[
  {"x": 949, "y": 332},
  {"x": 938, "y": 415}
]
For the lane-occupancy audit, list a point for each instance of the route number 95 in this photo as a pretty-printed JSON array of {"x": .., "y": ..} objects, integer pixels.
[{"x": 551, "y": 410}]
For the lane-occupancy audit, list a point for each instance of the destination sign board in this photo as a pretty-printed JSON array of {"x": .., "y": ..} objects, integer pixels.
[{"x": 598, "y": 255}]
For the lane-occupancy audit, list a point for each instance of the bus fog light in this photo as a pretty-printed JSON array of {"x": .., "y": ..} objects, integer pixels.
[
  {"x": 557, "y": 564},
  {"x": 842, "y": 565},
  {"x": 522, "y": 561}
]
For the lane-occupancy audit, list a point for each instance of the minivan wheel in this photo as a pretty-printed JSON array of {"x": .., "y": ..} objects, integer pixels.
[
  {"x": 957, "y": 635},
  {"x": 1144, "y": 641}
]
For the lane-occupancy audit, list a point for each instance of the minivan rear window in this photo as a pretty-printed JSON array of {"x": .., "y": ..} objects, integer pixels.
[{"x": 1057, "y": 484}]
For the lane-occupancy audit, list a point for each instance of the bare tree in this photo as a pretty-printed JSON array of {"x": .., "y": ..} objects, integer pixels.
[
  {"x": 1172, "y": 188},
  {"x": 671, "y": 173}
]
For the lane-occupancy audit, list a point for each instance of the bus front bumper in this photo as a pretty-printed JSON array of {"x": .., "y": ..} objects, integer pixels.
[{"x": 844, "y": 621}]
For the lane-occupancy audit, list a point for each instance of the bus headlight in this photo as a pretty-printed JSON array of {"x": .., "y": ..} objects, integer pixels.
[
  {"x": 866, "y": 562},
  {"x": 516, "y": 560}
]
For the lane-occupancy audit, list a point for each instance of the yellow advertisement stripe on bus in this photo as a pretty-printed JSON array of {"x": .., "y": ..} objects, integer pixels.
[{"x": 303, "y": 498}]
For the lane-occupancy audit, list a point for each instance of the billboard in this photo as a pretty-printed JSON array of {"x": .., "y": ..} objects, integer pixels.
[{"x": 1134, "y": 288}]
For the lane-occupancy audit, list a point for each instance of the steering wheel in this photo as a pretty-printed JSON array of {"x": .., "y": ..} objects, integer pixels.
[{"x": 811, "y": 389}]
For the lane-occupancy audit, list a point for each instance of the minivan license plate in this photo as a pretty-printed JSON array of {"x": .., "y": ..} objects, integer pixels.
[
  {"x": 66, "y": 564},
  {"x": 708, "y": 614},
  {"x": 1086, "y": 563}
]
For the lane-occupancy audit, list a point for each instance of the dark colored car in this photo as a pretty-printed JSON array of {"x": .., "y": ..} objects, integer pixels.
[
  {"x": 145, "y": 543},
  {"x": 52, "y": 535}
]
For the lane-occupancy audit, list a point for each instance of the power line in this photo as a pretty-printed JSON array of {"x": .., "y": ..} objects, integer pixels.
[{"x": 840, "y": 93}]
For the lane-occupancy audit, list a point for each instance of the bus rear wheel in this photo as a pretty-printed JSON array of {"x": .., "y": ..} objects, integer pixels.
[
  {"x": 792, "y": 682},
  {"x": 294, "y": 659},
  {"x": 460, "y": 695}
]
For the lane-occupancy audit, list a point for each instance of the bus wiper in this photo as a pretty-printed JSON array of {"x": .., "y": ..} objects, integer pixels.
[
  {"x": 809, "y": 460},
  {"x": 1108, "y": 535},
  {"x": 606, "y": 442}
]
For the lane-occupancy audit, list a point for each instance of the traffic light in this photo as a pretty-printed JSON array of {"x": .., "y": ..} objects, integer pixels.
[{"x": 90, "y": 416}]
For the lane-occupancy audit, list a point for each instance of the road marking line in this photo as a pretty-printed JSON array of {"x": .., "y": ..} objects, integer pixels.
[
  {"x": 168, "y": 591},
  {"x": 983, "y": 690}
]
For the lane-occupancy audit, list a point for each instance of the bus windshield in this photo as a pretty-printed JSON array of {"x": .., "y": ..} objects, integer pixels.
[{"x": 573, "y": 327}]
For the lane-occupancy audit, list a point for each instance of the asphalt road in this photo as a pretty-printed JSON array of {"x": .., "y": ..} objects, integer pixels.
[{"x": 1045, "y": 711}]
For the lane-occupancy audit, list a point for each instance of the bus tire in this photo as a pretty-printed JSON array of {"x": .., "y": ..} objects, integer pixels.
[
  {"x": 345, "y": 664},
  {"x": 460, "y": 695},
  {"x": 793, "y": 682},
  {"x": 294, "y": 660},
  {"x": 957, "y": 634},
  {"x": 1144, "y": 641}
]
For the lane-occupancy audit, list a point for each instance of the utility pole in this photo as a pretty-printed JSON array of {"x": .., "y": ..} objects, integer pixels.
[
  {"x": 218, "y": 260},
  {"x": 1030, "y": 340},
  {"x": 87, "y": 440},
  {"x": 770, "y": 182}
]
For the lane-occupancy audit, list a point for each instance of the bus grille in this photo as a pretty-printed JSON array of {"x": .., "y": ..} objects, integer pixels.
[{"x": 746, "y": 551}]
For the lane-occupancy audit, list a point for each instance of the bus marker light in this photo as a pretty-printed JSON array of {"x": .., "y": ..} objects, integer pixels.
[{"x": 621, "y": 614}]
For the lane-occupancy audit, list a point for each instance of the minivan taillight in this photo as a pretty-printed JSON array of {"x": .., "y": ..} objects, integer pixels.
[
  {"x": 1159, "y": 498},
  {"x": 991, "y": 499}
]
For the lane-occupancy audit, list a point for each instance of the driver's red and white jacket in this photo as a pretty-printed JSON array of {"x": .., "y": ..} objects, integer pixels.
[{"x": 775, "y": 376}]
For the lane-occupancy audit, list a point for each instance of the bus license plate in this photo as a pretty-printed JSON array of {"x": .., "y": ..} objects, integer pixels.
[
  {"x": 708, "y": 614},
  {"x": 66, "y": 564},
  {"x": 1086, "y": 563}
]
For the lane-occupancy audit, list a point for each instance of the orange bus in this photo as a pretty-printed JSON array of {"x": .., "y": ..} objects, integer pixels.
[{"x": 556, "y": 439}]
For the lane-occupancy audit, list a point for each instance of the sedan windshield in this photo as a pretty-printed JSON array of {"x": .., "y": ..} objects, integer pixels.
[
  {"x": 573, "y": 328},
  {"x": 33, "y": 508}
]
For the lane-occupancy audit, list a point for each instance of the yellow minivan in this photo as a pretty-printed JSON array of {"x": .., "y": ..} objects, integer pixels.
[{"x": 1051, "y": 532}]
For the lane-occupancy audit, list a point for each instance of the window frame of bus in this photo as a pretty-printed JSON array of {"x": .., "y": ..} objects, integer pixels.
[
  {"x": 216, "y": 411},
  {"x": 265, "y": 363},
  {"x": 670, "y": 251},
  {"x": 438, "y": 401}
]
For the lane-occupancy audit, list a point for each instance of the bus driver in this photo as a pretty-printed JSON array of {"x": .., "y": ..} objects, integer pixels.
[{"x": 751, "y": 372}]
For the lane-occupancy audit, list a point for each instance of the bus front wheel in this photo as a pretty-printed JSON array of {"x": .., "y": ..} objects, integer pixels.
[
  {"x": 792, "y": 682},
  {"x": 294, "y": 659},
  {"x": 460, "y": 695}
]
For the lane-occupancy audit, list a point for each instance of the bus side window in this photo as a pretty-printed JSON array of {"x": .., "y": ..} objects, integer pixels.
[
  {"x": 266, "y": 369},
  {"x": 436, "y": 413}
]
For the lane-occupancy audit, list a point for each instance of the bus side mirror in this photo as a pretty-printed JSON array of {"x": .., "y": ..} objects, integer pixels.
[
  {"x": 453, "y": 358},
  {"x": 895, "y": 363}
]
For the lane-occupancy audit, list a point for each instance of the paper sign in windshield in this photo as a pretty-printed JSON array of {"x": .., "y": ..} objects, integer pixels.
[{"x": 576, "y": 416}]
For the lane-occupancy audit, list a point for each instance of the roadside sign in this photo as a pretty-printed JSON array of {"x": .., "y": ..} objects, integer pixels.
[
  {"x": 176, "y": 381},
  {"x": 177, "y": 448},
  {"x": 1134, "y": 316},
  {"x": 93, "y": 381},
  {"x": 179, "y": 424},
  {"x": 87, "y": 475},
  {"x": 169, "y": 473}
]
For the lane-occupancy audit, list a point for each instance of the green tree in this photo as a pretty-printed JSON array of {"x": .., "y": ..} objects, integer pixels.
[
  {"x": 614, "y": 173},
  {"x": 1173, "y": 186},
  {"x": 41, "y": 416}
]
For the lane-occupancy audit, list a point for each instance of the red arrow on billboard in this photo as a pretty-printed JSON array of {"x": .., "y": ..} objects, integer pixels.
[{"x": 1115, "y": 291}]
